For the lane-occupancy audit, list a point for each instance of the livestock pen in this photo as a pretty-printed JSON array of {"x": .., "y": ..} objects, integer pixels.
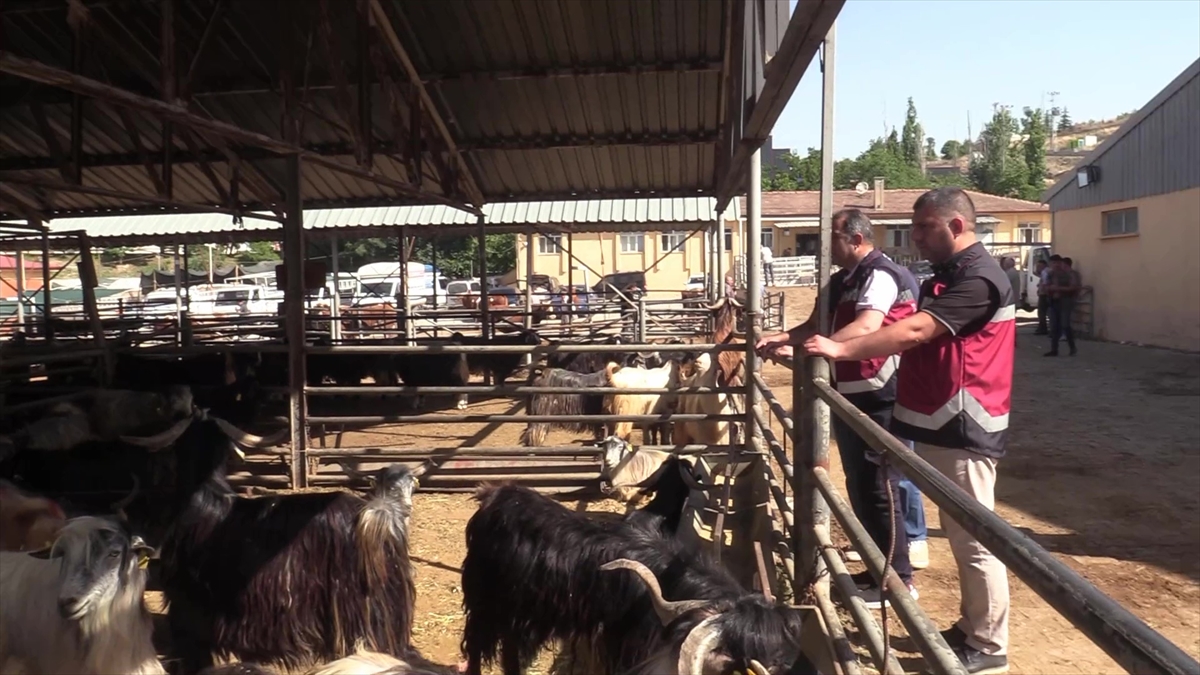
[{"x": 255, "y": 129}]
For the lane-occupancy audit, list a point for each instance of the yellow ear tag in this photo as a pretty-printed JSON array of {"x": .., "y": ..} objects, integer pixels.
[{"x": 143, "y": 561}]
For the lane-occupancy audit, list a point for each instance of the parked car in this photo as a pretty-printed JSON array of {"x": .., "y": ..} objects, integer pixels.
[{"x": 921, "y": 269}]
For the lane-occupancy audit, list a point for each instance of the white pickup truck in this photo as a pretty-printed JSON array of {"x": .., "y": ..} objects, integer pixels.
[{"x": 1029, "y": 278}]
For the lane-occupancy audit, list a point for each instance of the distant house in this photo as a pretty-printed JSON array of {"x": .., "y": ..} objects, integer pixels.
[
  {"x": 1129, "y": 216},
  {"x": 791, "y": 219},
  {"x": 32, "y": 277}
]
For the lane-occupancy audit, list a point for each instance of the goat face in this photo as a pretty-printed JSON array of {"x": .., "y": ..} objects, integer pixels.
[
  {"x": 615, "y": 452},
  {"x": 98, "y": 558}
]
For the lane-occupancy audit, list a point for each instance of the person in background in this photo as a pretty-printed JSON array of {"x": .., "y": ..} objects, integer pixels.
[
  {"x": 787, "y": 252},
  {"x": 953, "y": 397},
  {"x": 768, "y": 263},
  {"x": 1043, "y": 299},
  {"x": 1009, "y": 265},
  {"x": 1065, "y": 285},
  {"x": 870, "y": 292}
]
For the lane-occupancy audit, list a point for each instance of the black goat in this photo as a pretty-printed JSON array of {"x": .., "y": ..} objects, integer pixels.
[
  {"x": 534, "y": 572},
  {"x": 500, "y": 366},
  {"x": 673, "y": 485},
  {"x": 284, "y": 579},
  {"x": 534, "y": 434},
  {"x": 434, "y": 370},
  {"x": 592, "y": 362}
]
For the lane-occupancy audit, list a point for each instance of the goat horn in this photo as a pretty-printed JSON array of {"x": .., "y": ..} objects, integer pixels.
[
  {"x": 699, "y": 643},
  {"x": 247, "y": 439},
  {"x": 351, "y": 471},
  {"x": 667, "y": 610},
  {"x": 758, "y": 668},
  {"x": 691, "y": 481},
  {"x": 160, "y": 441},
  {"x": 118, "y": 507},
  {"x": 717, "y": 305}
]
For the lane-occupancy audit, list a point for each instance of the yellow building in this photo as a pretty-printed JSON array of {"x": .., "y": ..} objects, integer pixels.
[
  {"x": 1129, "y": 217},
  {"x": 668, "y": 239}
]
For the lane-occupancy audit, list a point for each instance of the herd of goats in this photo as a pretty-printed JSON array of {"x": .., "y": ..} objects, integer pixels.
[{"x": 323, "y": 580}]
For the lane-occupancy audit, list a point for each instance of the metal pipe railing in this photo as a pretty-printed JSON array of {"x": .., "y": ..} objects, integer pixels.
[
  {"x": 922, "y": 631},
  {"x": 469, "y": 419},
  {"x": 521, "y": 349},
  {"x": 1123, "y": 636},
  {"x": 511, "y": 390},
  {"x": 500, "y": 451}
]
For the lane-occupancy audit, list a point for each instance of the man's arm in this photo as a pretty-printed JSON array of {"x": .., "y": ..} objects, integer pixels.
[{"x": 966, "y": 303}]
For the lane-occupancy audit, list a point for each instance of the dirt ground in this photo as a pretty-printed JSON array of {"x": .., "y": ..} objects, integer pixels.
[{"x": 1103, "y": 470}]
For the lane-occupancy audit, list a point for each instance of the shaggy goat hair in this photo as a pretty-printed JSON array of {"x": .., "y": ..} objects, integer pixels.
[
  {"x": 593, "y": 362},
  {"x": 77, "y": 607},
  {"x": 673, "y": 486},
  {"x": 534, "y": 434},
  {"x": 533, "y": 573},
  {"x": 284, "y": 579}
]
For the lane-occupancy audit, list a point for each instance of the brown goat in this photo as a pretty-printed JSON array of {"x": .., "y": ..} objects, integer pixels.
[{"x": 27, "y": 522}]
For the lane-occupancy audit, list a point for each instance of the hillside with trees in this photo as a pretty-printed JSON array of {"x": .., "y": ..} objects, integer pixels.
[{"x": 1008, "y": 158}]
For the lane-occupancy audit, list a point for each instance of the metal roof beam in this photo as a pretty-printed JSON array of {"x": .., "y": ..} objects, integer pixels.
[
  {"x": 59, "y": 186},
  {"x": 567, "y": 142},
  {"x": 597, "y": 70},
  {"x": 39, "y": 72},
  {"x": 392, "y": 41}
]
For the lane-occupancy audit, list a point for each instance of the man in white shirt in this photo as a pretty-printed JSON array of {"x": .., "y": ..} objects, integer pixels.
[{"x": 768, "y": 263}]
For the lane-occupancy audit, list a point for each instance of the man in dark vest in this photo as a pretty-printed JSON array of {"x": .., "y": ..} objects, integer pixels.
[
  {"x": 869, "y": 292},
  {"x": 953, "y": 395}
]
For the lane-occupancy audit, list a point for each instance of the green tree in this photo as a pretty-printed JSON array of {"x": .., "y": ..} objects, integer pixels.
[
  {"x": 1033, "y": 128},
  {"x": 1002, "y": 169},
  {"x": 258, "y": 251},
  {"x": 930, "y": 148},
  {"x": 800, "y": 173},
  {"x": 892, "y": 145},
  {"x": 1064, "y": 122},
  {"x": 910, "y": 140},
  {"x": 879, "y": 160},
  {"x": 952, "y": 149}
]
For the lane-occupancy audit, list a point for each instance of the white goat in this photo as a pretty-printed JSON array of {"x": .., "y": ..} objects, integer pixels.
[
  {"x": 623, "y": 468},
  {"x": 76, "y": 608},
  {"x": 707, "y": 432},
  {"x": 630, "y": 377}
]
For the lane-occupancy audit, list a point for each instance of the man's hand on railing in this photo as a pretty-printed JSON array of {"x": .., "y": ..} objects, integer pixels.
[
  {"x": 779, "y": 353},
  {"x": 768, "y": 342},
  {"x": 819, "y": 345}
]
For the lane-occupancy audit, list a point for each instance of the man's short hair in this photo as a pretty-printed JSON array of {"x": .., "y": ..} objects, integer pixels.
[
  {"x": 947, "y": 201},
  {"x": 1068, "y": 261},
  {"x": 1056, "y": 258},
  {"x": 855, "y": 222}
]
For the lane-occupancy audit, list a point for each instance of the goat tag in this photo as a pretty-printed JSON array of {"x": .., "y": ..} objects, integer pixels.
[{"x": 143, "y": 561}]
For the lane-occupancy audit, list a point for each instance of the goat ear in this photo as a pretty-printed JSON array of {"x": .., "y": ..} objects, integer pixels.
[{"x": 48, "y": 553}]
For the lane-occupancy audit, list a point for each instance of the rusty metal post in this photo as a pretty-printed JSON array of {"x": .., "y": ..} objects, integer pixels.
[
  {"x": 405, "y": 322},
  {"x": 47, "y": 325},
  {"x": 293, "y": 299},
  {"x": 335, "y": 300},
  {"x": 570, "y": 282},
  {"x": 20, "y": 290},
  {"x": 484, "y": 306},
  {"x": 88, "y": 283}
]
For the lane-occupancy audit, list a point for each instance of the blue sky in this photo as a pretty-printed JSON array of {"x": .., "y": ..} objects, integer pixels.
[{"x": 1104, "y": 57}]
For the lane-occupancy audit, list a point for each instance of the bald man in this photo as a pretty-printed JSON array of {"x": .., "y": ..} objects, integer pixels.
[{"x": 954, "y": 387}]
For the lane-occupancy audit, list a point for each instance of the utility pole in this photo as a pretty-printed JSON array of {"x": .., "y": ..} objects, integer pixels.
[{"x": 1053, "y": 121}]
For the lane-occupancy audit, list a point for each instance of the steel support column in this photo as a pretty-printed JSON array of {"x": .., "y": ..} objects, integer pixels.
[
  {"x": 293, "y": 300},
  {"x": 753, "y": 295},
  {"x": 335, "y": 298},
  {"x": 812, "y": 436},
  {"x": 20, "y": 290},
  {"x": 528, "y": 360},
  {"x": 571, "y": 282},
  {"x": 47, "y": 327},
  {"x": 405, "y": 322},
  {"x": 484, "y": 307}
]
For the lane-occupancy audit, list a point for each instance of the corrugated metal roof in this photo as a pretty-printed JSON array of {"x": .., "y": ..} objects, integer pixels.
[
  {"x": 577, "y": 216},
  {"x": 547, "y": 99}
]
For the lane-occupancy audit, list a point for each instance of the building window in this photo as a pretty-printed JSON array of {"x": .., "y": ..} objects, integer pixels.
[
  {"x": 768, "y": 238},
  {"x": 1116, "y": 223},
  {"x": 899, "y": 237},
  {"x": 633, "y": 242},
  {"x": 728, "y": 239},
  {"x": 673, "y": 241},
  {"x": 1029, "y": 233},
  {"x": 549, "y": 243}
]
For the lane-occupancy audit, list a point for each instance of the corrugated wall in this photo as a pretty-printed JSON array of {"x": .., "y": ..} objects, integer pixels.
[{"x": 1158, "y": 156}]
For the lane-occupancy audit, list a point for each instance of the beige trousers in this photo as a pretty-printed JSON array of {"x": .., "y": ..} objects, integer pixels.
[{"x": 982, "y": 578}]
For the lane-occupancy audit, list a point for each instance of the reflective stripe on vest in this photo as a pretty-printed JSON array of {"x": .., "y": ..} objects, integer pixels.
[
  {"x": 879, "y": 381},
  {"x": 962, "y": 401}
]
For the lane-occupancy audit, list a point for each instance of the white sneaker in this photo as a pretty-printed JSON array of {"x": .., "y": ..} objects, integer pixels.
[
  {"x": 873, "y": 597},
  {"x": 852, "y": 556},
  {"x": 918, "y": 554}
]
